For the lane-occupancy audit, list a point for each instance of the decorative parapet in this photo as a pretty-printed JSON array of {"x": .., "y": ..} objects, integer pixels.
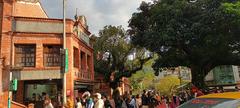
[
  {"x": 40, "y": 25},
  {"x": 84, "y": 37},
  {"x": 81, "y": 29},
  {"x": 46, "y": 25}
]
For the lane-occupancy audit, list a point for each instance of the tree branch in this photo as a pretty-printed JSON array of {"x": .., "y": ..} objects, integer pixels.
[{"x": 128, "y": 73}]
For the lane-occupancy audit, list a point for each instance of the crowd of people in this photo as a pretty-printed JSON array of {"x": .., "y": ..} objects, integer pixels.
[
  {"x": 42, "y": 101},
  {"x": 146, "y": 99}
]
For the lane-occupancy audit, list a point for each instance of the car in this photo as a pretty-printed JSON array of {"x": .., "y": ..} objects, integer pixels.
[{"x": 216, "y": 100}]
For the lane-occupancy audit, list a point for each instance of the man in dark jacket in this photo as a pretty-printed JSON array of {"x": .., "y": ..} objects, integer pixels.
[{"x": 144, "y": 98}]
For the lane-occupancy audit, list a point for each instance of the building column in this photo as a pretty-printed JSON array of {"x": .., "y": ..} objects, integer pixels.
[
  {"x": 85, "y": 61},
  {"x": 89, "y": 66},
  {"x": 92, "y": 67},
  {"x": 3, "y": 97},
  {"x": 39, "y": 56},
  {"x": 6, "y": 35},
  {"x": 70, "y": 74}
]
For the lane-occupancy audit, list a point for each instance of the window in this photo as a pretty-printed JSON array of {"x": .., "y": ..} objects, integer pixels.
[
  {"x": 52, "y": 55},
  {"x": 88, "y": 63},
  {"x": 210, "y": 103},
  {"x": 76, "y": 57},
  {"x": 25, "y": 55},
  {"x": 83, "y": 61}
]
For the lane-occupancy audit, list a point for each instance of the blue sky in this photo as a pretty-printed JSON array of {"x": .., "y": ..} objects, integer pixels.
[{"x": 98, "y": 12}]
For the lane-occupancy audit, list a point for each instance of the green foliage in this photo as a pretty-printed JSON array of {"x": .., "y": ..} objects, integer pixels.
[
  {"x": 232, "y": 8},
  {"x": 111, "y": 51},
  {"x": 168, "y": 85},
  {"x": 200, "y": 35},
  {"x": 143, "y": 79}
]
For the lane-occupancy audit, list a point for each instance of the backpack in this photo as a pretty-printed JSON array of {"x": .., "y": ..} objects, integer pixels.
[{"x": 124, "y": 105}]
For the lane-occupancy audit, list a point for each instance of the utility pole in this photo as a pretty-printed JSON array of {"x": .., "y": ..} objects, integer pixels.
[{"x": 64, "y": 48}]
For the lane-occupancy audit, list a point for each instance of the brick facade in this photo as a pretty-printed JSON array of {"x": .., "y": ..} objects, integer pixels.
[
  {"x": 5, "y": 26},
  {"x": 11, "y": 37}
]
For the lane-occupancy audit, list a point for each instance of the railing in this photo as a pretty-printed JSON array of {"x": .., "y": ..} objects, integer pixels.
[
  {"x": 84, "y": 74},
  {"x": 17, "y": 105}
]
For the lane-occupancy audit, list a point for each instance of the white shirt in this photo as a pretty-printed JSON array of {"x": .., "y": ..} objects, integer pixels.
[
  {"x": 79, "y": 105},
  {"x": 49, "y": 106},
  {"x": 99, "y": 104}
]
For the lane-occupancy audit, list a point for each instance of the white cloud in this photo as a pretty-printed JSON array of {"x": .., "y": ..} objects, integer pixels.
[{"x": 98, "y": 12}]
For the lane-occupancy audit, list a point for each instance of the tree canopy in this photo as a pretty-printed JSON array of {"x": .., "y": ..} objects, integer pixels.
[
  {"x": 112, "y": 49},
  {"x": 199, "y": 34}
]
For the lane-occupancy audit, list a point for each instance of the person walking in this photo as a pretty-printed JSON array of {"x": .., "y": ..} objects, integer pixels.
[
  {"x": 138, "y": 101},
  {"x": 132, "y": 103},
  {"x": 78, "y": 104},
  {"x": 87, "y": 100},
  {"x": 99, "y": 102},
  {"x": 112, "y": 102},
  {"x": 152, "y": 100},
  {"x": 175, "y": 101},
  {"x": 123, "y": 102},
  {"x": 47, "y": 102},
  {"x": 144, "y": 99},
  {"x": 107, "y": 103}
]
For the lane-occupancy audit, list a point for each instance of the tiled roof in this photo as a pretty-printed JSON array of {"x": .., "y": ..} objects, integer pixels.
[{"x": 26, "y": 9}]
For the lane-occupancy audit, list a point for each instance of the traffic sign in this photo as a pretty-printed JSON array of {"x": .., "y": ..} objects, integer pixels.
[{"x": 66, "y": 60}]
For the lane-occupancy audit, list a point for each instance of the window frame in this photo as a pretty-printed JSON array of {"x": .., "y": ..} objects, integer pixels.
[
  {"x": 51, "y": 55},
  {"x": 23, "y": 53},
  {"x": 76, "y": 58}
]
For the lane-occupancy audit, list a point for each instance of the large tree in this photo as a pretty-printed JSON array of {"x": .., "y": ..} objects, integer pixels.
[
  {"x": 199, "y": 34},
  {"x": 112, "y": 49}
]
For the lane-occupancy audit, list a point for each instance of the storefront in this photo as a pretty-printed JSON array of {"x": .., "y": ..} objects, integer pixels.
[
  {"x": 81, "y": 87},
  {"x": 36, "y": 90}
]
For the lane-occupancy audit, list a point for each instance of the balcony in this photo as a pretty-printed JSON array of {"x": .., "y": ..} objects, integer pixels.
[{"x": 84, "y": 74}]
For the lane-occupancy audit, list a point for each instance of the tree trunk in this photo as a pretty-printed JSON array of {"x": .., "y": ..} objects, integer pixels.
[{"x": 198, "y": 76}]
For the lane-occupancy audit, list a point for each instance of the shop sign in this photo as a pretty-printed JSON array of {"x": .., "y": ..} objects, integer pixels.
[{"x": 68, "y": 92}]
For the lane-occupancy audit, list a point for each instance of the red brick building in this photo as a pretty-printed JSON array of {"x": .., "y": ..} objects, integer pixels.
[{"x": 30, "y": 45}]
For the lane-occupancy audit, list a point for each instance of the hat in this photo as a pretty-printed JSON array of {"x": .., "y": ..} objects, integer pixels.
[
  {"x": 87, "y": 94},
  {"x": 98, "y": 95}
]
